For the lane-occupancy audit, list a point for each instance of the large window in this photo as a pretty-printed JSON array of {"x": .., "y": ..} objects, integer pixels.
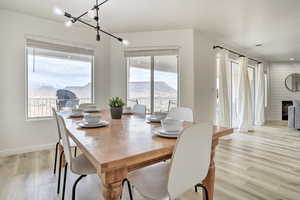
[
  {"x": 57, "y": 76},
  {"x": 152, "y": 79}
]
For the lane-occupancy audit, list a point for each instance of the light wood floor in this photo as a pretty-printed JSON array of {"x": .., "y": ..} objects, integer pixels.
[{"x": 261, "y": 165}]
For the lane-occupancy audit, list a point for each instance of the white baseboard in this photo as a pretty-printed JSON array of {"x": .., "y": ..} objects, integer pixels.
[{"x": 9, "y": 152}]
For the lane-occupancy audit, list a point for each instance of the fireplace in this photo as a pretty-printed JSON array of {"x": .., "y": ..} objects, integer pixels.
[{"x": 285, "y": 105}]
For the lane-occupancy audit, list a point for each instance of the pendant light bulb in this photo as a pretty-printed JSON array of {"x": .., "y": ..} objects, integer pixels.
[
  {"x": 58, "y": 11},
  {"x": 125, "y": 42}
]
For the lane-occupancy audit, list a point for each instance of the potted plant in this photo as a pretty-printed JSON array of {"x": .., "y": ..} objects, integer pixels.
[{"x": 116, "y": 107}]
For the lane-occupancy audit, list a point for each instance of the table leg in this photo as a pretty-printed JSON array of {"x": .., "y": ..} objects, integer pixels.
[
  {"x": 209, "y": 181},
  {"x": 112, "y": 183}
]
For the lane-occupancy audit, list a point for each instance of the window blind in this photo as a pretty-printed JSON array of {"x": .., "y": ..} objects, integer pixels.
[
  {"x": 58, "y": 47},
  {"x": 154, "y": 52}
]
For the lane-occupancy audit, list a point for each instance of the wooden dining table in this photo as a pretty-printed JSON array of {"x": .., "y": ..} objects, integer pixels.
[{"x": 128, "y": 144}]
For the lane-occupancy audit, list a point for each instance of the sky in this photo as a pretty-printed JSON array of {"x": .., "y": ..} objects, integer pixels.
[{"x": 58, "y": 73}]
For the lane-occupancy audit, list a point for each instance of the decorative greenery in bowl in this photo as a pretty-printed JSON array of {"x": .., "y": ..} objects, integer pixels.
[
  {"x": 116, "y": 102},
  {"x": 116, "y": 107}
]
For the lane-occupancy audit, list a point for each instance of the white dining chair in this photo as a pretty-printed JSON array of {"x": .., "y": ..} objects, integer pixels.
[
  {"x": 85, "y": 105},
  {"x": 139, "y": 109},
  {"x": 59, "y": 142},
  {"x": 181, "y": 113},
  {"x": 188, "y": 167},
  {"x": 79, "y": 165}
]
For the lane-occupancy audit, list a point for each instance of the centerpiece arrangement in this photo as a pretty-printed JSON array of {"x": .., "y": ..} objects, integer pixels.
[{"x": 116, "y": 107}]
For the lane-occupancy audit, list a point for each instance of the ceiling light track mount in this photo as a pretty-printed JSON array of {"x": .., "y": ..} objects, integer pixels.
[{"x": 92, "y": 13}]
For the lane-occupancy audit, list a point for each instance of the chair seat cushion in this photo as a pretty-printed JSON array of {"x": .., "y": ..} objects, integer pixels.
[
  {"x": 82, "y": 166},
  {"x": 151, "y": 182}
]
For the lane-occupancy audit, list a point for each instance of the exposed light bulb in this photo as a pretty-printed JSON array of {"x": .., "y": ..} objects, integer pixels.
[
  {"x": 125, "y": 42},
  {"x": 68, "y": 23},
  {"x": 91, "y": 14},
  {"x": 58, "y": 11}
]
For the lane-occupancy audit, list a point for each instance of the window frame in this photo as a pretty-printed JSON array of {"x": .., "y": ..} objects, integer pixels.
[
  {"x": 152, "y": 69},
  {"x": 27, "y": 118}
]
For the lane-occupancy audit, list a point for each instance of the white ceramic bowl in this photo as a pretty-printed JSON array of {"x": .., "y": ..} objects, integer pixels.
[
  {"x": 171, "y": 125},
  {"x": 91, "y": 117},
  {"x": 77, "y": 111}
]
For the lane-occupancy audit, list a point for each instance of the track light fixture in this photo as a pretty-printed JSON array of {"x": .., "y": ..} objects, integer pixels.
[{"x": 92, "y": 13}]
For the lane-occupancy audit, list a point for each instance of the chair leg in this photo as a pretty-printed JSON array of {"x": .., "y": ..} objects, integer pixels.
[
  {"x": 196, "y": 188},
  {"x": 55, "y": 159},
  {"x": 65, "y": 180},
  {"x": 205, "y": 190},
  {"x": 75, "y": 151},
  {"x": 59, "y": 171},
  {"x": 129, "y": 188},
  {"x": 74, "y": 186}
]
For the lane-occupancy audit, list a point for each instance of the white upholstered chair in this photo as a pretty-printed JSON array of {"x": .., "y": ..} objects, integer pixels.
[
  {"x": 79, "y": 165},
  {"x": 188, "y": 167},
  {"x": 59, "y": 142},
  {"x": 139, "y": 109},
  {"x": 181, "y": 113}
]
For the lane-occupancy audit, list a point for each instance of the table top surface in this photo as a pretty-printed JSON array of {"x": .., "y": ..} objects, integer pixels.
[{"x": 124, "y": 141}]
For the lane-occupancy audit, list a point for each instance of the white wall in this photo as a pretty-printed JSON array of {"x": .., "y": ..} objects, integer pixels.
[
  {"x": 181, "y": 38},
  {"x": 204, "y": 78},
  {"x": 277, "y": 74},
  {"x": 17, "y": 134}
]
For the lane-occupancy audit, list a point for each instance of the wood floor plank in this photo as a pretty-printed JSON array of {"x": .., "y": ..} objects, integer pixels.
[{"x": 260, "y": 165}]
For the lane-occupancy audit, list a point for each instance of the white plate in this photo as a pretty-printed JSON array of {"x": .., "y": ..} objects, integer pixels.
[
  {"x": 76, "y": 115},
  {"x": 92, "y": 110},
  {"x": 153, "y": 120},
  {"x": 162, "y": 132},
  {"x": 84, "y": 124},
  {"x": 127, "y": 113},
  {"x": 164, "y": 135}
]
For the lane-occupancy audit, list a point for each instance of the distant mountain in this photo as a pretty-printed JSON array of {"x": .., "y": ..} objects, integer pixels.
[
  {"x": 142, "y": 88},
  {"x": 138, "y": 89},
  {"x": 81, "y": 92},
  {"x": 50, "y": 92}
]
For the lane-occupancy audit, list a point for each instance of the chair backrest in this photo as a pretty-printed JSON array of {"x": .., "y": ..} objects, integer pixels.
[
  {"x": 181, "y": 113},
  {"x": 56, "y": 120},
  {"x": 65, "y": 139},
  {"x": 139, "y": 109},
  {"x": 191, "y": 159}
]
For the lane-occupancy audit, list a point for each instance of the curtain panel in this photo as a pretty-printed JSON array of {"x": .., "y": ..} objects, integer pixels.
[
  {"x": 260, "y": 96},
  {"x": 223, "y": 107},
  {"x": 244, "y": 104}
]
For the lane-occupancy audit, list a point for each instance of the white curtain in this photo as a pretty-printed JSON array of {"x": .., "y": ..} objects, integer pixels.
[
  {"x": 244, "y": 104},
  {"x": 223, "y": 109},
  {"x": 260, "y": 96}
]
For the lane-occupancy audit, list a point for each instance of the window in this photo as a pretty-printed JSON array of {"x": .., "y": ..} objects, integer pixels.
[
  {"x": 57, "y": 76},
  {"x": 152, "y": 79}
]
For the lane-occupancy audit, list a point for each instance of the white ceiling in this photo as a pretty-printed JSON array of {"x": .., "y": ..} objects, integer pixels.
[{"x": 240, "y": 23}]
